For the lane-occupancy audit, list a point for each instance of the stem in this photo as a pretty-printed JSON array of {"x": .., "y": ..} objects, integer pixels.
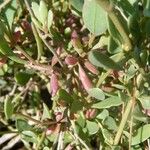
[
  {"x": 123, "y": 122},
  {"x": 28, "y": 118},
  {"x": 25, "y": 54},
  {"x": 41, "y": 140},
  {"x": 7, "y": 132},
  {"x": 112, "y": 13}
]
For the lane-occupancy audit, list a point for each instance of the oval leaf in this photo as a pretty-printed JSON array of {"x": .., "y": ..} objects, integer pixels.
[
  {"x": 96, "y": 93},
  {"x": 77, "y": 4},
  {"x": 145, "y": 101},
  {"x": 92, "y": 127},
  {"x": 107, "y": 103},
  {"x": 94, "y": 17},
  {"x": 63, "y": 95},
  {"x": 141, "y": 135},
  {"x": 22, "y": 78},
  {"x": 8, "y": 108},
  {"x": 43, "y": 12},
  {"x": 49, "y": 19},
  {"x": 101, "y": 60}
]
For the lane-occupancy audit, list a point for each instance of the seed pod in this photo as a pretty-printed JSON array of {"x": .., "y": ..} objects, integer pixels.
[
  {"x": 91, "y": 67},
  {"x": 54, "y": 84},
  {"x": 70, "y": 60},
  {"x": 86, "y": 82}
]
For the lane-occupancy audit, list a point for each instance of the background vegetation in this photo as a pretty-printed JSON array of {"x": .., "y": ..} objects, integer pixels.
[{"x": 74, "y": 74}]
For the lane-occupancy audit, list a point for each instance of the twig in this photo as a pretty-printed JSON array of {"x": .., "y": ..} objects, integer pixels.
[
  {"x": 123, "y": 122},
  {"x": 28, "y": 118},
  {"x": 41, "y": 140},
  {"x": 26, "y": 54},
  {"x": 60, "y": 141},
  {"x": 49, "y": 47}
]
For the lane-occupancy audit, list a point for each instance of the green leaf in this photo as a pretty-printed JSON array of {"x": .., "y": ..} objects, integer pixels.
[
  {"x": 107, "y": 136},
  {"x": 113, "y": 47},
  {"x": 110, "y": 123},
  {"x": 141, "y": 134},
  {"x": 9, "y": 13},
  {"x": 81, "y": 121},
  {"x": 114, "y": 32},
  {"x": 22, "y": 77},
  {"x": 35, "y": 8},
  {"x": 139, "y": 115},
  {"x": 103, "y": 114},
  {"x": 101, "y": 60},
  {"x": 92, "y": 127},
  {"x": 43, "y": 12},
  {"x": 107, "y": 103},
  {"x": 145, "y": 101},
  {"x": 146, "y": 11},
  {"x": 46, "y": 112},
  {"x": 7, "y": 51},
  {"x": 63, "y": 95},
  {"x": 77, "y": 4},
  {"x": 94, "y": 17},
  {"x": 29, "y": 136},
  {"x": 22, "y": 125},
  {"x": 134, "y": 27},
  {"x": 96, "y": 93},
  {"x": 8, "y": 107},
  {"x": 49, "y": 19},
  {"x": 76, "y": 106}
]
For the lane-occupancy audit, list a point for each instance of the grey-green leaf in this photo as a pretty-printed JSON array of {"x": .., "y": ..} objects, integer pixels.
[
  {"x": 43, "y": 11},
  {"x": 22, "y": 125},
  {"x": 35, "y": 8},
  {"x": 94, "y": 17},
  {"x": 8, "y": 107},
  {"x": 101, "y": 60},
  {"x": 141, "y": 135},
  {"x": 107, "y": 103},
  {"x": 46, "y": 112},
  {"x": 145, "y": 101},
  {"x": 49, "y": 19},
  {"x": 96, "y": 93},
  {"x": 92, "y": 127},
  {"x": 77, "y": 4}
]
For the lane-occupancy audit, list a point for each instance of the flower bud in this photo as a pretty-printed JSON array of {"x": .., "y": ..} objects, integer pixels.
[
  {"x": 70, "y": 60},
  {"x": 86, "y": 82},
  {"x": 90, "y": 113},
  {"x": 91, "y": 67},
  {"x": 54, "y": 84}
]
